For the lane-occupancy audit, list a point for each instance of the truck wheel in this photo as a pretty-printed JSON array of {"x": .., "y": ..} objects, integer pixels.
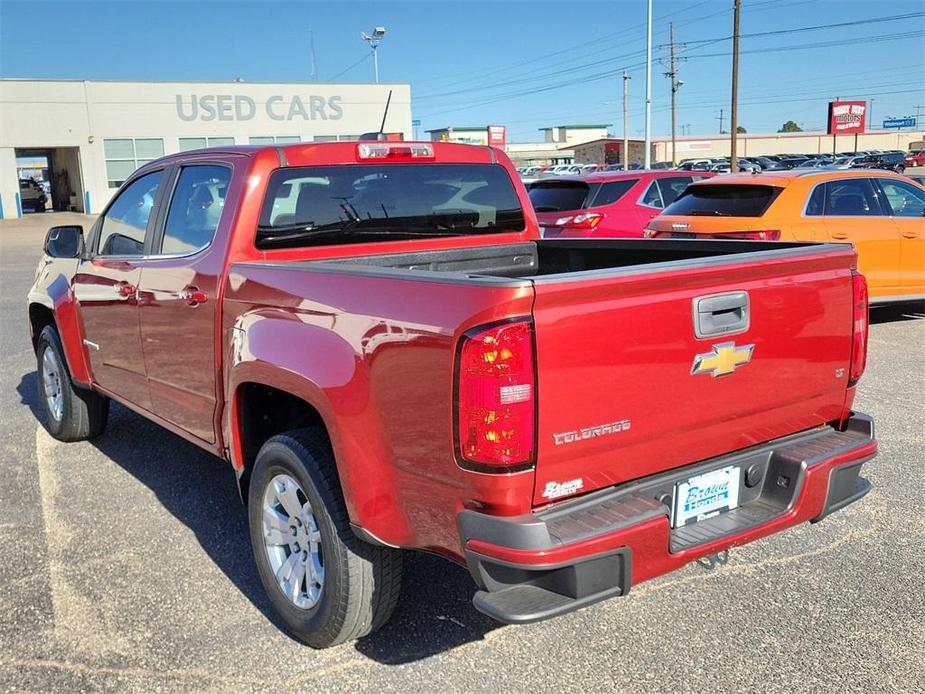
[
  {"x": 326, "y": 584},
  {"x": 71, "y": 413}
]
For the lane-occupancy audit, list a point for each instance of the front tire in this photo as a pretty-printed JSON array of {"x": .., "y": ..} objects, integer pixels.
[
  {"x": 327, "y": 585},
  {"x": 71, "y": 413}
]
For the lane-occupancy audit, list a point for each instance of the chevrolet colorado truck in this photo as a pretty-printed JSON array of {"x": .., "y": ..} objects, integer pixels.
[{"x": 375, "y": 337}]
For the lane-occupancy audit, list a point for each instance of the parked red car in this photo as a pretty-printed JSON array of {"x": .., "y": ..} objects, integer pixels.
[
  {"x": 607, "y": 204},
  {"x": 916, "y": 158}
]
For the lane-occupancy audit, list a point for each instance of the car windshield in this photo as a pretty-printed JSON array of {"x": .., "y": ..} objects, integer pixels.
[
  {"x": 730, "y": 200},
  {"x": 325, "y": 205}
]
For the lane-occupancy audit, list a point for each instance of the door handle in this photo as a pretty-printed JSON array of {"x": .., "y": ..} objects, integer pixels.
[
  {"x": 839, "y": 235},
  {"x": 125, "y": 289},
  {"x": 721, "y": 314},
  {"x": 193, "y": 296},
  {"x": 909, "y": 235}
]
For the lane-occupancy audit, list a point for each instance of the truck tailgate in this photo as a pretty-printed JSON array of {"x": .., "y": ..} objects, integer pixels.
[{"x": 626, "y": 389}]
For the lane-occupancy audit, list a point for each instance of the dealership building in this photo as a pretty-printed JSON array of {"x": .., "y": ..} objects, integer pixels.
[{"x": 82, "y": 138}]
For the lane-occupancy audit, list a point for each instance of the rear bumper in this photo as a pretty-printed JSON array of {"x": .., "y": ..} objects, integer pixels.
[{"x": 540, "y": 565}]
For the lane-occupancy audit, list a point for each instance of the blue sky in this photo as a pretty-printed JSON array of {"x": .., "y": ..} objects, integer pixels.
[{"x": 521, "y": 64}]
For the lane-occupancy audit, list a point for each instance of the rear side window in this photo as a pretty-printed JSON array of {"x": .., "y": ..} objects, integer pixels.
[
  {"x": 326, "y": 205},
  {"x": 555, "y": 196},
  {"x": 609, "y": 193},
  {"x": 672, "y": 187},
  {"x": 851, "y": 198},
  {"x": 730, "y": 200},
  {"x": 195, "y": 210}
]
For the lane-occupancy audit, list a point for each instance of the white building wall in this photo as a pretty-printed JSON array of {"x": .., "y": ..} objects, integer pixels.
[{"x": 46, "y": 113}]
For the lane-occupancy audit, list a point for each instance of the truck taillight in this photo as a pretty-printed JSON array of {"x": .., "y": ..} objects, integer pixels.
[
  {"x": 496, "y": 397},
  {"x": 859, "y": 332},
  {"x": 395, "y": 150},
  {"x": 587, "y": 220}
]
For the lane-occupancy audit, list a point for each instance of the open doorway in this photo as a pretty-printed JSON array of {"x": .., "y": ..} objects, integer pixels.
[{"x": 50, "y": 179}]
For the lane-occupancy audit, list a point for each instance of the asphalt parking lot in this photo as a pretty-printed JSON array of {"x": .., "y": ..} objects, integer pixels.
[{"x": 125, "y": 565}]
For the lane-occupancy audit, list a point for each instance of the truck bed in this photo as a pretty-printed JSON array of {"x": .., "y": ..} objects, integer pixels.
[
  {"x": 547, "y": 258},
  {"x": 615, "y": 339}
]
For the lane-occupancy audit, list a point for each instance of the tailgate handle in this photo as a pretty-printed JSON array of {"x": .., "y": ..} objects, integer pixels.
[{"x": 721, "y": 314}]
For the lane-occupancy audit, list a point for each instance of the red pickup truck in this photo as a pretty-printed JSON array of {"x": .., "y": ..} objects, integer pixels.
[{"x": 377, "y": 339}]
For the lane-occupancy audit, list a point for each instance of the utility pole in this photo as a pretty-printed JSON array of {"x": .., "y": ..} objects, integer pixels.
[
  {"x": 870, "y": 114},
  {"x": 672, "y": 75},
  {"x": 648, "y": 138},
  {"x": 733, "y": 116},
  {"x": 720, "y": 118},
  {"x": 626, "y": 142},
  {"x": 373, "y": 38}
]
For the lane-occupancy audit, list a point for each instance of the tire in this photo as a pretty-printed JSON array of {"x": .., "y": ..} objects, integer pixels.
[
  {"x": 360, "y": 583},
  {"x": 71, "y": 413}
]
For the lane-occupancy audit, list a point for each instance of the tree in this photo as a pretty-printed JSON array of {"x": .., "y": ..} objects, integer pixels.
[
  {"x": 740, "y": 129},
  {"x": 790, "y": 127}
]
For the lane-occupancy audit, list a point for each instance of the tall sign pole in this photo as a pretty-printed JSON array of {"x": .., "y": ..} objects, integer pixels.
[
  {"x": 648, "y": 138},
  {"x": 734, "y": 115},
  {"x": 626, "y": 122}
]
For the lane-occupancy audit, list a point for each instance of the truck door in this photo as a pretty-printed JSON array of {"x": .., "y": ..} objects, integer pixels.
[
  {"x": 178, "y": 298},
  {"x": 907, "y": 203},
  {"x": 106, "y": 285}
]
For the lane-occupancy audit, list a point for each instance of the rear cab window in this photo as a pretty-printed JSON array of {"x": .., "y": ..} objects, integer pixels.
[
  {"x": 330, "y": 205},
  {"x": 724, "y": 200}
]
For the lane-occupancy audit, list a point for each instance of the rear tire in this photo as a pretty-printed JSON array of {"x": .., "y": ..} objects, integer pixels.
[
  {"x": 71, "y": 413},
  {"x": 326, "y": 584}
]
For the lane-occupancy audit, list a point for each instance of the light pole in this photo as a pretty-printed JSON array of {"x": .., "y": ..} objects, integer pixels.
[
  {"x": 373, "y": 40},
  {"x": 648, "y": 138}
]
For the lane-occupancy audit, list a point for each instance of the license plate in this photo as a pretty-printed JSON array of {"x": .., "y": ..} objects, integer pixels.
[
  {"x": 683, "y": 235},
  {"x": 705, "y": 496}
]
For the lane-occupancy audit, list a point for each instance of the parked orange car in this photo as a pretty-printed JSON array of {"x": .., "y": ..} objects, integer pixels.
[{"x": 881, "y": 213}]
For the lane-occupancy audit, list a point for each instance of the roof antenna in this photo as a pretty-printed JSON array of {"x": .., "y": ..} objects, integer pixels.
[{"x": 380, "y": 135}]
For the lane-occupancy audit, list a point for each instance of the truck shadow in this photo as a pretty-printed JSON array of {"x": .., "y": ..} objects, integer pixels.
[
  {"x": 912, "y": 310},
  {"x": 434, "y": 614}
]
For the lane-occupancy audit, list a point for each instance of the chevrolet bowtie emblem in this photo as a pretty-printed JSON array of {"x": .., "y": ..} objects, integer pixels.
[{"x": 723, "y": 359}]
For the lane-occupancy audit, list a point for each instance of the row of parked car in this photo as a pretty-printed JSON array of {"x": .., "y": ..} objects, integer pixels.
[
  {"x": 881, "y": 212},
  {"x": 890, "y": 160}
]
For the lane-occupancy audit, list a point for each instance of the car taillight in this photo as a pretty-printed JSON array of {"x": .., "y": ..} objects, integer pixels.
[
  {"x": 587, "y": 220},
  {"x": 861, "y": 323},
  {"x": 396, "y": 150},
  {"x": 765, "y": 235},
  {"x": 649, "y": 234},
  {"x": 496, "y": 397}
]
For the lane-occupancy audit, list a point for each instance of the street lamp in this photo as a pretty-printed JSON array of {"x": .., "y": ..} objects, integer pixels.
[{"x": 373, "y": 40}]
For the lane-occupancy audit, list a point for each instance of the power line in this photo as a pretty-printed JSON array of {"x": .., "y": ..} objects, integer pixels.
[{"x": 348, "y": 69}]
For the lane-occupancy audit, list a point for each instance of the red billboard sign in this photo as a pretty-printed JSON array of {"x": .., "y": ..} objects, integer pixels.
[
  {"x": 847, "y": 117},
  {"x": 497, "y": 136}
]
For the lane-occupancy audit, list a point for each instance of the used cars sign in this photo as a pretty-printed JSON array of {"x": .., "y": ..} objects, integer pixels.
[{"x": 238, "y": 107}]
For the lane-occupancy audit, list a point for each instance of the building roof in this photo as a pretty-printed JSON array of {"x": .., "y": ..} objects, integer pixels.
[
  {"x": 579, "y": 126},
  {"x": 762, "y": 136},
  {"x": 602, "y": 139}
]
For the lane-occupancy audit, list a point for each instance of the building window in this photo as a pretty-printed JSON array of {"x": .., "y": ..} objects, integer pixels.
[
  {"x": 324, "y": 138},
  {"x": 271, "y": 140},
  {"x": 123, "y": 156},
  {"x": 188, "y": 143}
]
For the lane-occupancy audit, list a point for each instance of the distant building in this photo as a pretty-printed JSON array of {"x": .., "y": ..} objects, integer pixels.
[
  {"x": 553, "y": 149},
  {"x": 574, "y": 134},
  {"x": 475, "y": 135},
  {"x": 709, "y": 146},
  {"x": 609, "y": 150}
]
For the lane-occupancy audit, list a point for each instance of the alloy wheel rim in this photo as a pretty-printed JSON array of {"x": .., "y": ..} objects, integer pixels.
[
  {"x": 51, "y": 384},
  {"x": 292, "y": 541}
]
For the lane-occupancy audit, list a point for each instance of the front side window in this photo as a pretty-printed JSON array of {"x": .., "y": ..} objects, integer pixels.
[
  {"x": 123, "y": 228},
  {"x": 125, "y": 155},
  {"x": 906, "y": 200},
  {"x": 325, "y": 205},
  {"x": 195, "y": 209},
  {"x": 851, "y": 198}
]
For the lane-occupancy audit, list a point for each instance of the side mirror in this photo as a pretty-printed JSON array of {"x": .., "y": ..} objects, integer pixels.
[{"x": 64, "y": 242}]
